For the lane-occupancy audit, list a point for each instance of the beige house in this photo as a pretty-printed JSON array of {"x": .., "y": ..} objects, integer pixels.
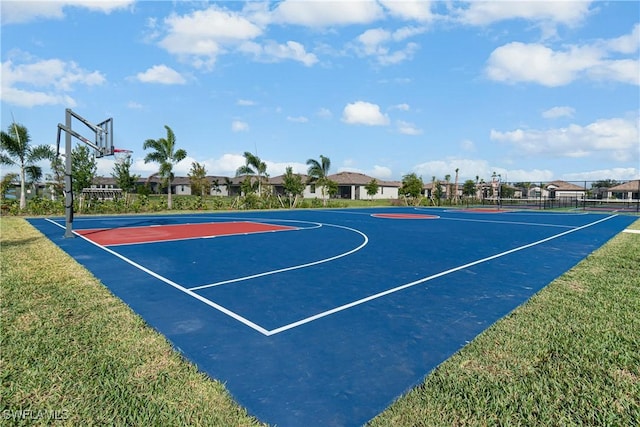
[
  {"x": 351, "y": 185},
  {"x": 557, "y": 190},
  {"x": 310, "y": 190},
  {"x": 628, "y": 191}
]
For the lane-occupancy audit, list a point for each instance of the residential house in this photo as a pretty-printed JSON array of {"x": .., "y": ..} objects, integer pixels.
[
  {"x": 557, "y": 190},
  {"x": 628, "y": 191},
  {"x": 351, "y": 185},
  {"x": 310, "y": 190}
]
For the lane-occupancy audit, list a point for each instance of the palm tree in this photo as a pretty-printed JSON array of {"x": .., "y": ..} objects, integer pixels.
[
  {"x": 455, "y": 194},
  {"x": 447, "y": 179},
  {"x": 227, "y": 183},
  {"x": 17, "y": 151},
  {"x": 254, "y": 167},
  {"x": 318, "y": 172},
  {"x": 166, "y": 155}
]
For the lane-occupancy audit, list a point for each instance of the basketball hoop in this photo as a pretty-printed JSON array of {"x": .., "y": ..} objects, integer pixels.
[{"x": 122, "y": 155}]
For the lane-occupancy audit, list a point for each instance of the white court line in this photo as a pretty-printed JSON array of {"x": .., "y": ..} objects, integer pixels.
[
  {"x": 301, "y": 322},
  {"x": 628, "y": 230},
  {"x": 536, "y": 224},
  {"x": 295, "y": 267},
  {"x": 439, "y": 214},
  {"x": 426, "y": 279},
  {"x": 177, "y": 286}
]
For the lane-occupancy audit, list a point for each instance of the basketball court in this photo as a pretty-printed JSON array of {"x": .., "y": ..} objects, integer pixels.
[{"x": 325, "y": 317}]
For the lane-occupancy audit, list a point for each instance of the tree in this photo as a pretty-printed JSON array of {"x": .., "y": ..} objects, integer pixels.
[
  {"x": 253, "y": 167},
  {"x": 56, "y": 178},
  {"x": 227, "y": 183},
  {"x": 198, "y": 179},
  {"x": 122, "y": 174},
  {"x": 332, "y": 187},
  {"x": 447, "y": 179},
  {"x": 455, "y": 195},
  {"x": 436, "y": 190},
  {"x": 8, "y": 180},
  {"x": 17, "y": 151},
  {"x": 34, "y": 176},
  {"x": 83, "y": 168},
  {"x": 166, "y": 155},
  {"x": 412, "y": 187},
  {"x": 318, "y": 172},
  {"x": 372, "y": 188},
  {"x": 293, "y": 186},
  {"x": 469, "y": 188}
]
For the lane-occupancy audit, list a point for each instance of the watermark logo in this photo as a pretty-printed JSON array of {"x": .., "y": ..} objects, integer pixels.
[{"x": 31, "y": 414}]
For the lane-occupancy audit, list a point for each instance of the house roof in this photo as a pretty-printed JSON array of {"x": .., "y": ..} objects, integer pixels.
[
  {"x": 627, "y": 186},
  {"x": 564, "y": 186},
  {"x": 356, "y": 178},
  {"x": 279, "y": 180}
]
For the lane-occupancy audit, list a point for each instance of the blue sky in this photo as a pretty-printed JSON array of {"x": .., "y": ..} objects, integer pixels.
[{"x": 534, "y": 91}]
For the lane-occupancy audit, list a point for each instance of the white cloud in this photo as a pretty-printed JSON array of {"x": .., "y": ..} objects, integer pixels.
[
  {"x": 271, "y": 51},
  {"x": 199, "y": 37},
  {"x": 161, "y": 74},
  {"x": 402, "y": 107},
  {"x": 364, "y": 113},
  {"x": 472, "y": 168},
  {"x": 619, "y": 174},
  {"x": 300, "y": 119},
  {"x": 376, "y": 43},
  {"x": 468, "y": 145},
  {"x": 628, "y": 43},
  {"x": 409, "y": 10},
  {"x": 621, "y": 70},
  {"x": 279, "y": 168},
  {"x": 484, "y": 13},
  {"x": 380, "y": 172},
  {"x": 44, "y": 82},
  {"x": 14, "y": 12},
  {"x": 239, "y": 126},
  {"x": 324, "y": 113},
  {"x": 614, "y": 138},
  {"x": 557, "y": 112},
  {"x": 245, "y": 102},
  {"x": 407, "y": 128},
  {"x": 520, "y": 62},
  {"x": 326, "y": 14},
  {"x": 226, "y": 165},
  {"x": 536, "y": 63}
]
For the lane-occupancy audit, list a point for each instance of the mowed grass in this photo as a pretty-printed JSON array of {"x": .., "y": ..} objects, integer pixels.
[
  {"x": 570, "y": 356},
  {"x": 73, "y": 354}
]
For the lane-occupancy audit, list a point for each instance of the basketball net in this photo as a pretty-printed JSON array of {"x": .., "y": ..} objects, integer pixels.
[{"x": 122, "y": 155}]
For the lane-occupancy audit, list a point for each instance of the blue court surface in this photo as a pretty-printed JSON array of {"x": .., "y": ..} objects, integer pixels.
[{"x": 325, "y": 317}]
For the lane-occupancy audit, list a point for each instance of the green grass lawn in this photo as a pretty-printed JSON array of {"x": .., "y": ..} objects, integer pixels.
[{"x": 73, "y": 354}]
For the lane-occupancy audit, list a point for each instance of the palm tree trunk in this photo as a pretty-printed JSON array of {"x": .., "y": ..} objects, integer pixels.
[
  {"x": 23, "y": 196},
  {"x": 169, "y": 195}
]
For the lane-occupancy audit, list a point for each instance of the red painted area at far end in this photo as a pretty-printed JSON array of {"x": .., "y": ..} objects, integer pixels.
[
  {"x": 404, "y": 216},
  {"x": 160, "y": 233}
]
